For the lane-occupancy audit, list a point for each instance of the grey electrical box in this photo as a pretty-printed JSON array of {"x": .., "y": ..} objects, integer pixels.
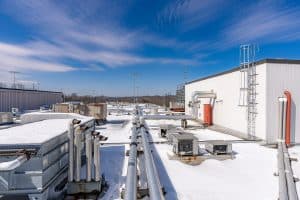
[
  {"x": 219, "y": 147},
  {"x": 185, "y": 144}
]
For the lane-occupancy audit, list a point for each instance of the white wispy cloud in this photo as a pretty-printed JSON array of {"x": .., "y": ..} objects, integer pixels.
[
  {"x": 190, "y": 14},
  {"x": 65, "y": 33},
  {"x": 14, "y": 57},
  {"x": 265, "y": 21}
]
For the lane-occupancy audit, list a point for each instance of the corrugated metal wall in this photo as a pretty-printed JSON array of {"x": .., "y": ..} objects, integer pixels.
[
  {"x": 226, "y": 111},
  {"x": 272, "y": 79},
  {"x": 283, "y": 77},
  {"x": 27, "y": 99}
]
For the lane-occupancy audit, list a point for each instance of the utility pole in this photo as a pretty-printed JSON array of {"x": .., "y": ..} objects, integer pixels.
[
  {"x": 134, "y": 78},
  {"x": 185, "y": 74},
  {"x": 137, "y": 94}
]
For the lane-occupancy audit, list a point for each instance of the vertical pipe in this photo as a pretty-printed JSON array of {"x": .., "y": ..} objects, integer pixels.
[
  {"x": 78, "y": 136},
  {"x": 207, "y": 114},
  {"x": 288, "y": 117},
  {"x": 97, "y": 159},
  {"x": 282, "y": 118},
  {"x": 71, "y": 152},
  {"x": 88, "y": 150}
]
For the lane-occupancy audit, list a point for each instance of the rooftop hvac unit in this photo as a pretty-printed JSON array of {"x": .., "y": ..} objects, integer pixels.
[
  {"x": 185, "y": 144},
  {"x": 219, "y": 147},
  {"x": 34, "y": 160},
  {"x": 6, "y": 118}
]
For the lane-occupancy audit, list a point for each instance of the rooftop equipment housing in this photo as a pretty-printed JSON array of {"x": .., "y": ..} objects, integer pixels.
[
  {"x": 34, "y": 159},
  {"x": 96, "y": 110},
  {"x": 219, "y": 147},
  {"x": 185, "y": 144},
  {"x": 6, "y": 118}
]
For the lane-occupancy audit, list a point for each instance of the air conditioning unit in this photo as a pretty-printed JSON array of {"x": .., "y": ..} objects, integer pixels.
[
  {"x": 185, "y": 144},
  {"x": 6, "y": 118},
  {"x": 219, "y": 147}
]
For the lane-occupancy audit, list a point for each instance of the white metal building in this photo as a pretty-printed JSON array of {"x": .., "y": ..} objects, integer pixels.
[
  {"x": 274, "y": 76},
  {"x": 27, "y": 99}
]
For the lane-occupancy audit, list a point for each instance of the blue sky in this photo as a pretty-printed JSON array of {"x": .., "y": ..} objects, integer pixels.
[{"x": 93, "y": 47}]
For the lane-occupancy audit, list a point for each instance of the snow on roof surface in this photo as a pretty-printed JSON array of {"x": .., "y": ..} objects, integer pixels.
[
  {"x": 248, "y": 176},
  {"x": 33, "y": 133}
]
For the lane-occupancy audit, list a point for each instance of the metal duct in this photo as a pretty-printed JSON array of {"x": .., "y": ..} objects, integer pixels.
[
  {"x": 71, "y": 151},
  {"x": 89, "y": 156},
  {"x": 203, "y": 94},
  {"x": 97, "y": 159}
]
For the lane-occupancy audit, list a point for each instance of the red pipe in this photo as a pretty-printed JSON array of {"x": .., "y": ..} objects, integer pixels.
[
  {"x": 207, "y": 114},
  {"x": 288, "y": 118}
]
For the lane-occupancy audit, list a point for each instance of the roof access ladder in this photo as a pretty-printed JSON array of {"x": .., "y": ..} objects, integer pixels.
[{"x": 248, "y": 86}]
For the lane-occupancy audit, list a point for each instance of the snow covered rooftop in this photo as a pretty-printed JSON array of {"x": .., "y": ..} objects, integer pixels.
[
  {"x": 33, "y": 133},
  {"x": 39, "y": 127},
  {"x": 249, "y": 175}
]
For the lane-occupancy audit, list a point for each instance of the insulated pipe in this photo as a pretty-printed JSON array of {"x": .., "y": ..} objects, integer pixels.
[
  {"x": 88, "y": 150},
  {"x": 71, "y": 151},
  {"x": 78, "y": 147},
  {"x": 155, "y": 190},
  {"x": 283, "y": 191},
  {"x": 11, "y": 165},
  {"x": 287, "y": 186},
  {"x": 162, "y": 117},
  {"x": 97, "y": 159},
  {"x": 292, "y": 191},
  {"x": 207, "y": 110},
  {"x": 288, "y": 117},
  {"x": 282, "y": 118},
  {"x": 131, "y": 178},
  {"x": 203, "y": 94}
]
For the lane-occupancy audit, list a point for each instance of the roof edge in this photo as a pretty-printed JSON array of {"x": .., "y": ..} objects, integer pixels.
[
  {"x": 29, "y": 90},
  {"x": 263, "y": 61}
]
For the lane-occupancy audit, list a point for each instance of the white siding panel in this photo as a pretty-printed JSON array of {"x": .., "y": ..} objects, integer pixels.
[
  {"x": 283, "y": 77},
  {"x": 226, "y": 111}
]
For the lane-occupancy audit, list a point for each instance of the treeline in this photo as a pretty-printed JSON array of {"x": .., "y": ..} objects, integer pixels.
[{"x": 157, "y": 99}]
